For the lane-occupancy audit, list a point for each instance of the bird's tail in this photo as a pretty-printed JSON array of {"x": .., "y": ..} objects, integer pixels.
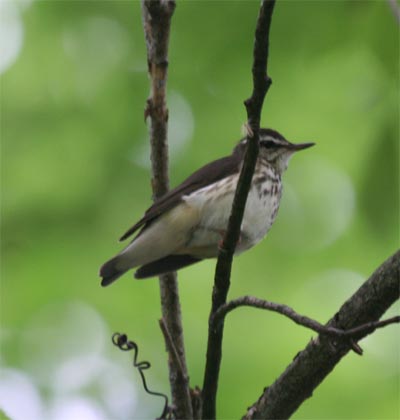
[{"x": 110, "y": 271}]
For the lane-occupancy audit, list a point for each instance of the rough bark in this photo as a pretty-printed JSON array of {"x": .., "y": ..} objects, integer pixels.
[
  {"x": 311, "y": 366},
  {"x": 157, "y": 16}
]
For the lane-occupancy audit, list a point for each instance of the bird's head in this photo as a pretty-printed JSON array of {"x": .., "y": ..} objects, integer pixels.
[{"x": 274, "y": 148}]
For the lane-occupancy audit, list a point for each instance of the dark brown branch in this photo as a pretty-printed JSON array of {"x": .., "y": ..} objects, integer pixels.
[
  {"x": 157, "y": 16},
  {"x": 261, "y": 80},
  {"x": 318, "y": 359},
  {"x": 303, "y": 320},
  {"x": 261, "y": 83}
]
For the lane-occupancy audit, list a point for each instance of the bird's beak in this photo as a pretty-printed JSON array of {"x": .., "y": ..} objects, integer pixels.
[{"x": 301, "y": 146}]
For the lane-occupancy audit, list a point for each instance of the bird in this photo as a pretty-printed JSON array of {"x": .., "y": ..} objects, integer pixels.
[{"x": 187, "y": 224}]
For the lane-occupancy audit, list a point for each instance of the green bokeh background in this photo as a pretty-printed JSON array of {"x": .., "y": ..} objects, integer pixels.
[{"x": 75, "y": 175}]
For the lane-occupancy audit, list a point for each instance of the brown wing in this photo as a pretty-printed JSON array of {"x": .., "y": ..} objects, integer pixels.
[
  {"x": 206, "y": 175},
  {"x": 165, "y": 265}
]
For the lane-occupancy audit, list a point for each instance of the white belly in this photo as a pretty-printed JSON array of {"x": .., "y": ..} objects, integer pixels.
[{"x": 260, "y": 213}]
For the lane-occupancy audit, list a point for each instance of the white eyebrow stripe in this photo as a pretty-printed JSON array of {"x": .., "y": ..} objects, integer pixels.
[{"x": 273, "y": 139}]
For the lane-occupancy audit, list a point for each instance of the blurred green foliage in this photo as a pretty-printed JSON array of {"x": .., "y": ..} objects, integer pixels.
[{"x": 74, "y": 176}]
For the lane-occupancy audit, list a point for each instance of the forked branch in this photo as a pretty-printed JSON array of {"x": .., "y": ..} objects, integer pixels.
[{"x": 322, "y": 354}]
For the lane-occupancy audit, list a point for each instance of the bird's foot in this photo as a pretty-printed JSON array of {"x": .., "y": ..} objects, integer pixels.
[{"x": 221, "y": 241}]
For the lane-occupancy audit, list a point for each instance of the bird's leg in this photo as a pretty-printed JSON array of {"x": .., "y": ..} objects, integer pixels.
[{"x": 222, "y": 233}]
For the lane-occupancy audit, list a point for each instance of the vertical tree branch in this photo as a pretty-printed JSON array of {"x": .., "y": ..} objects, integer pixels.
[
  {"x": 261, "y": 84},
  {"x": 157, "y": 16},
  {"x": 311, "y": 366}
]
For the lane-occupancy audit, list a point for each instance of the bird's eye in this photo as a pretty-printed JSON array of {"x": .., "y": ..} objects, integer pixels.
[{"x": 269, "y": 144}]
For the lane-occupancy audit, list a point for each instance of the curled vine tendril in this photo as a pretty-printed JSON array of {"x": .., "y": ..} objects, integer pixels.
[{"x": 122, "y": 342}]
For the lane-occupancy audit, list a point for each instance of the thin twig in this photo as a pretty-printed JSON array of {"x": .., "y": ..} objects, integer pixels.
[
  {"x": 171, "y": 347},
  {"x": 311, "y": 366},
  {"x": 157, "y": 16},
  {"x": 363, "y": 329},
  {"x": 224, "y": 264},
  {"x": 303, "y": 320}
]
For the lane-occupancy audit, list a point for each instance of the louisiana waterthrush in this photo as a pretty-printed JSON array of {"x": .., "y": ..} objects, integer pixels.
[{"x": 187, "y": 224}]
